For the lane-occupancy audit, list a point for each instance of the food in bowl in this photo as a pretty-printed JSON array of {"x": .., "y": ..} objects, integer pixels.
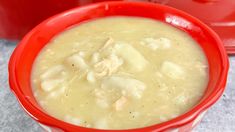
[{"x": 119, "y": 73}]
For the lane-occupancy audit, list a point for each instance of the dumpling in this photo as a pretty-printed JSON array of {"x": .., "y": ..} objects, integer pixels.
[
  {"x": 77, "y": 61},
  {"x": 133, "y": 58},
  {"x": 154, "y": 44},
  {"x": 128, "y": 86},
  {"x": 172, "y": 70},
  {"x": 53, "y": 77}
]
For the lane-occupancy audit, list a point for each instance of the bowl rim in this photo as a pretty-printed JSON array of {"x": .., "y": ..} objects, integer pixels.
[{"x": 44, "y": 118}]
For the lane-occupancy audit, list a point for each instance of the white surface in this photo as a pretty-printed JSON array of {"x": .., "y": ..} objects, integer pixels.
[{"x": 220, "y": 118}]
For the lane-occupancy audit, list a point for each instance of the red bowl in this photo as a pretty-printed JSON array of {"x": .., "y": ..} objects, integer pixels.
[{"x": 21, "y": 61}]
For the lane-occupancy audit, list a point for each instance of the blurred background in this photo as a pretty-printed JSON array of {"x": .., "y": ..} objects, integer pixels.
[{"x": 17, "y": 17}]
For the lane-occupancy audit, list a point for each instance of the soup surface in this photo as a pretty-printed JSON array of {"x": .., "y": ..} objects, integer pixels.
[{"x": 119, "y": 73}]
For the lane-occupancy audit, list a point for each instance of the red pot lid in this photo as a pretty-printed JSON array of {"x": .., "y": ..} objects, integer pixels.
[{"x": 218, "y": 14}]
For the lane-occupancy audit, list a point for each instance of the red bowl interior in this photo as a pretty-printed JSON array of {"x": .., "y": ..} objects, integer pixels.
[{"x": 21, "y": 61}]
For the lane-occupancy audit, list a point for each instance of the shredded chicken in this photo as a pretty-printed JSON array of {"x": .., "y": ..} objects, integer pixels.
[
  {"x": 101, "y": 98},
  {"x": 95, "y": 58},
  {"x": 108, "y": 65},
  {"x": 120, "y": 103},
  {"x": 107, "y": 43}
]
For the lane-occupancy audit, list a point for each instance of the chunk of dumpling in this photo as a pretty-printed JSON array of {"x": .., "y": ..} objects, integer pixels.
[
  {"x": 134, "y": 59},
  {"x": 52, "y": 72},
  {"x": 50, "y": 84},
  {"x": 77, "y": 61},
  {"x": 154, "y": 44},
  {"x": 172, "y": 70},
  {"x": 53, "y": 77},
  {"x": 60, "y": 90},
  {"x": 128, "y": 86}
]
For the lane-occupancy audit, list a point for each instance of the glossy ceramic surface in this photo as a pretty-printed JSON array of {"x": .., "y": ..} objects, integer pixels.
[{"x": 217, "y": 14}]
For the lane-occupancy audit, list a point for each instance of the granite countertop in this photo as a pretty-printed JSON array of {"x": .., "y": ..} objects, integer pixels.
[{"x": 220, "y": 118}]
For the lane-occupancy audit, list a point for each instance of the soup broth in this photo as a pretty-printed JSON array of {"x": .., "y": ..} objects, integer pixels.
[{"x": 119, "y": 73}]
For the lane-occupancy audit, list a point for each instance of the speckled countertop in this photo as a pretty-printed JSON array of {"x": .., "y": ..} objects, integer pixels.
[{"x": 220, "y": 118}]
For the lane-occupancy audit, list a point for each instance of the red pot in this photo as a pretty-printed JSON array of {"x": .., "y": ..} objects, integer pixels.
[
  {"x": 21, "y": 61},
  {"x": 17, "y": 17}
]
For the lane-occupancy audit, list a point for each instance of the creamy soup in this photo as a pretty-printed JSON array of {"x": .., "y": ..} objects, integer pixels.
[{"x": 119, "y": 73}]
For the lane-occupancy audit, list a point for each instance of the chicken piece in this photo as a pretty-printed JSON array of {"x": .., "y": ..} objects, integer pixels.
[
  {"x": 91, "y": 77},
  {"x": 172, "y": 70},
  {"x": 120, "y": 103},
  {"x": 154, "y": 44},
  {"x": 108, "y": 65},
  {"x": 95, "y": 58},
  {"x": 107, "y": 43},
  {"x": 77, "y": 61},
  {"x": 135, "y": 61},
  {"x": 128, "y": 86},
  {"x": 101, "y": 98}
]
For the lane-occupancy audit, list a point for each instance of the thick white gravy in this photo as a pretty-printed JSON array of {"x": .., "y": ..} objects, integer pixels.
[{"x": 119, "y": 73}]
